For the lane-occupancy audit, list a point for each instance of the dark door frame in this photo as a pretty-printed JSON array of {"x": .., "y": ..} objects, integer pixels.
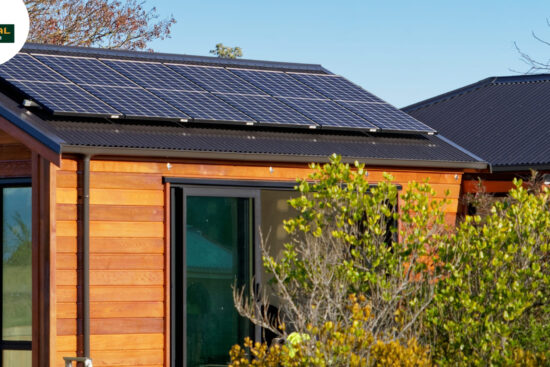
[{"x": 178, "y": 196}]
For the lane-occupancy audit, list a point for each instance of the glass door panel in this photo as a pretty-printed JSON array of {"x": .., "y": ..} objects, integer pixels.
[
  {"x": 218, "y": 254},
  {"x": 16, "y": 266}
]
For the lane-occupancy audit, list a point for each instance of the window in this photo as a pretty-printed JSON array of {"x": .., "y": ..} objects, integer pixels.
[{"x": 15, "y": 272}]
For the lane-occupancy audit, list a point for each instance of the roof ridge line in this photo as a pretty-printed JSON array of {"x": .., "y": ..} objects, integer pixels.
[
  {"x": 448, "y": 95},
  {"x": 169, "y": 57}
]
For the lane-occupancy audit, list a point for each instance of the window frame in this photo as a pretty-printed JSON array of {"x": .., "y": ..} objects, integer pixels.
[{"x": 7, "y": 345}]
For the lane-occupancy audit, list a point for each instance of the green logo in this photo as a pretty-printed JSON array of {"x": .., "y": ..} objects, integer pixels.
[{"x": 7, "y": 32}]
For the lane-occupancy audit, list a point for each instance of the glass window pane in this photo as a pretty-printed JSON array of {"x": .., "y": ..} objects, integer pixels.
[
  {"x": 16, "y": 358},
  {"x": 16, "y": 257},
  {"x": 218, "y": 253}
]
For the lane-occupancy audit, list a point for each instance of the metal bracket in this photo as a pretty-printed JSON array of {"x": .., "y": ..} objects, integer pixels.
[{"x": 69, "y": 361}]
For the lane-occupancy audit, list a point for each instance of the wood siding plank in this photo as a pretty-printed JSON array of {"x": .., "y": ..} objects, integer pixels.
[{"x": 126, "y": 293}]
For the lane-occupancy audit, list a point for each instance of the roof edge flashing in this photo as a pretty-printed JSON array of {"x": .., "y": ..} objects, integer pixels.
[
  {"x": 168, "y": 57},
  {"x": 169, "y": 153},
  {"x": 448, "y": 95}
]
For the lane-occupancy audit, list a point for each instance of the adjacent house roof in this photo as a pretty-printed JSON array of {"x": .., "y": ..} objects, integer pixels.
[
  {"x": 503, "y": 120},
  {"x": 324, "y": 116}
]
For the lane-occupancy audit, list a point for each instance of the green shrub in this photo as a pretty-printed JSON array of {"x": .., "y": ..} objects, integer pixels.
[{"x": 489, "y": 309}]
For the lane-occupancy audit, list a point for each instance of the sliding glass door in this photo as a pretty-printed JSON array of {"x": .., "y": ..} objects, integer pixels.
[
  {"x": 16, "y": 284},
  {"x": 214, "y": 249}
]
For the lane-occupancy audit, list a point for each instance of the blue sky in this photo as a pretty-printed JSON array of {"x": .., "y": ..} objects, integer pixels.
[{"x": 402, "y": 51}]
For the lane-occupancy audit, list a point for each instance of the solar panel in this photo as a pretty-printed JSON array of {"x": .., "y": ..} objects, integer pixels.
[
  {"x": 152, "y": 75},
  {"x": 335, "y": 87},
  {"x": 277, "y": 83},
  {"x": 64, "y": 98},
  {"x": 387, "y": 117},
  {"x": 24, "y": 67},
  {"x": 216, "y": 79},
  {"x": 136, "y": 102},
  {"x": 85, "y": 71},
  {"x": 202, "y": 105},
  {"x": 328, "y": 113},
  {"x": 267, "y": 109}
]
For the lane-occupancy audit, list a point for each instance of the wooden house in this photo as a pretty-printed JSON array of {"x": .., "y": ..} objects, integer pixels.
[
  {"x": 150, "y": 176},
  {"x": 504, "y": 121}
]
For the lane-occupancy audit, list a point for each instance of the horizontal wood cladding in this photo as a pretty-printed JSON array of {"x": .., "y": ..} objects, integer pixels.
[
  {"x": 113, "y": 213},
  {"x": 113, "y": 196},
  {"x": 68, "y": 261},
  {"x": 128, "y": 274},
  {"x": 142, "y": 358},
  {"x": 120, "y": 245},
  {"x": 15, "y": 158},
  {"x": 131, "y": 293},
  {"x": 115, "y": 342},
  {"x": 489, "y": 186},
  {"x": 113, "y": 277},
  {"x": 102, "y": 310},
  {"x": 120, "y": 325},
  {"x": 66, "y": 228}
]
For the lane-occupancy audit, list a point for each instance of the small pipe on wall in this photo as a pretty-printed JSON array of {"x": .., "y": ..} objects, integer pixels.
[{"x": 86, "y": 254}]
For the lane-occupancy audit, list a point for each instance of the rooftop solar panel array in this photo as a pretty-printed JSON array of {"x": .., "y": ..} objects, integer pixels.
[
  {"x": 152, "y": 75},
  {"x": 387, "y": 117},
  {"x": 200, "y": 93},
  {"x": 216, "y": 79},
  {"x": 51, "y": 89},
  {"x": 329, "y": 113},
  {"x": 268, "y": 110},
  {"x": 277, "y": 83},
  {"x": 335, "y": 87},
  {"x": 202, "y": 106}
]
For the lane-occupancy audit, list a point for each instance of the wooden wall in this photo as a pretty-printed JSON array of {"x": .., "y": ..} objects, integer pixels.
[
  {"x": 128, "y": 291},
  {"x": 15, "y": 158}
]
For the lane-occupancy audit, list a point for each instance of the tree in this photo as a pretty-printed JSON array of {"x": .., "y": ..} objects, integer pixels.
[
  {"x": 101, "y": 23},
  {"x": 227, "y": 52},
  {"x": 352, "y": 294},
  {"x": 493, "y": 305},
  {"x": 535, "y": 66},
  {"x": 344, "y": 274}
]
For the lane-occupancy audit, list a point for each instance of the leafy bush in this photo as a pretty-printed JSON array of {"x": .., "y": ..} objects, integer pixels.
[
  {"x": 333, "y": 344},
  {"x": 492, "y": 306},
  {"x": 344, "y": 242},
  {"x": 477, "y": 294}
]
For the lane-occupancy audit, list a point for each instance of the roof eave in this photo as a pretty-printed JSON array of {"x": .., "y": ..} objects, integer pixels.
[
  {"x": 17, "y": 122},
  {"x": 521, "y": 167},
  {"x": 262, "y": 157}
]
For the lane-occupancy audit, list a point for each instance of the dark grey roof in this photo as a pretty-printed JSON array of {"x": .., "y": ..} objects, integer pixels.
[
  {"x": 503, "y": 120},
  {"x": 239, "y": 143},
  {"x": 257, "y": 142},
  {"x": 90, "y": 135}
]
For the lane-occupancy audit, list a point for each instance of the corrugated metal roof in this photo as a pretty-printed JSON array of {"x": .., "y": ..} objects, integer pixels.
[
  {"x": 503, "y": 120},
  {"x": 256, "y": 141},
  {"x": 96, "y": 135}
]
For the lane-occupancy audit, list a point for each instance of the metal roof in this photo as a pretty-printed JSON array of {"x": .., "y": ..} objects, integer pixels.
[
  {"x": 257, "y": 144},
  {"x": 89, "y": 135},
  {"x": 503, "y": 120}
]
